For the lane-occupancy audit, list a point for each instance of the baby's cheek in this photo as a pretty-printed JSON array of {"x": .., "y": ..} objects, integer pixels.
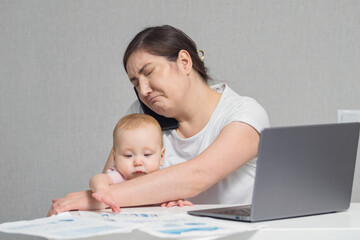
[
  {"x": 154, "y": 167},
  {"x": 124, "y": 169}
]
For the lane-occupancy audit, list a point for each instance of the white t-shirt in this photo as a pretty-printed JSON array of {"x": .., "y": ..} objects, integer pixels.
[{"x": 237, "y": 187}]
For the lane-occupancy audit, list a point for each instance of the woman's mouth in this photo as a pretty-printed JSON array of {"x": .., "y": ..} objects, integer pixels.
[{"x": 152, "y": 99}]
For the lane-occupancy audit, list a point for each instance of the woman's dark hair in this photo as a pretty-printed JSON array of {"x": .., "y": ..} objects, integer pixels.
[{"x": 166, "y": 41}]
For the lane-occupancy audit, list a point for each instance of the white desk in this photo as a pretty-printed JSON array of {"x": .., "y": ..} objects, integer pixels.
[{"x": 341, "y": 225}]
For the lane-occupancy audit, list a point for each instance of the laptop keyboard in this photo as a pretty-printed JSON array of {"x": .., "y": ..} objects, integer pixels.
[{"x": 241, "y": 211}]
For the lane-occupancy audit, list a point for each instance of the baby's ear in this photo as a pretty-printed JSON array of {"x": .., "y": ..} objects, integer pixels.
[{"x": 162, "y": 156}]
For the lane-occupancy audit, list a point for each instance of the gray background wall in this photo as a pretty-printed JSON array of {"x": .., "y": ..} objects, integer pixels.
[{"x": 62, "y": 85}]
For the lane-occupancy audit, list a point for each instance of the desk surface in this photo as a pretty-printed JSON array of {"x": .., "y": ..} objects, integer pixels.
[{"x": 340, "y": 225}]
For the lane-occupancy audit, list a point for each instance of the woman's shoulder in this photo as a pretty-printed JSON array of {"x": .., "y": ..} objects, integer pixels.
[
  {"x": 234, "y": 107},
  {"x": 229, "y": 94},
  {"x": 233, "y": 99}
]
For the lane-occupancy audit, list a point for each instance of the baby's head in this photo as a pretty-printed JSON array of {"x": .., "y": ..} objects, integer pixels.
[{"x": 137, "y": 145}]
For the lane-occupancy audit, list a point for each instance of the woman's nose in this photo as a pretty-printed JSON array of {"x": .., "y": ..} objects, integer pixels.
[{"x": 145, "y": 88}]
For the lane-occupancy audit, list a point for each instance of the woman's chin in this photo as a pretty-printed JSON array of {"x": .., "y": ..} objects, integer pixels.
[{"x": 161, "y": 110}]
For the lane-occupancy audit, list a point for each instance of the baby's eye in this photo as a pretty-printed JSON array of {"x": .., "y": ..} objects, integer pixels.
[
  {"x": 128, "y": 155},
  {"x": 147, "y": 154}
]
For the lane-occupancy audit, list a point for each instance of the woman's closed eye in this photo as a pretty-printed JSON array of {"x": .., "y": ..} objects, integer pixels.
[
  {"x": 135, "y": 83},
  {"x": 148, "y": 73}
]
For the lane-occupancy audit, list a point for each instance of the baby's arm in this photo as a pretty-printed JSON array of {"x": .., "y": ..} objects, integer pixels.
[
  {"x": 100, "y": 182},
  {"x": 100, "y": 186}
]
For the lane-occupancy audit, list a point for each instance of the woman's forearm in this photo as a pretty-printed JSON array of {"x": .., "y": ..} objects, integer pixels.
[
  {"x": 235, "y": 146},
  {"x": 160, "y": 186}
]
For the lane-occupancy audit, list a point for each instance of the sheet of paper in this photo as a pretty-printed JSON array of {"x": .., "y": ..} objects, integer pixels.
[
  {"x": 169, "y": 225},
  {"x": 65, "y": 226},
  {"x": 186, "y": 226},
  {"x": 84, "y": 224}
]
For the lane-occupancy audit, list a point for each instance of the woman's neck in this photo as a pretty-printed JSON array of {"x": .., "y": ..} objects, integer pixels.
[{"x": 199, "y": 106}]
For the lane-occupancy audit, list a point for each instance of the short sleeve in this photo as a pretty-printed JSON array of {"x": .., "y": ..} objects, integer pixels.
[{"x": 251, "y": 113}]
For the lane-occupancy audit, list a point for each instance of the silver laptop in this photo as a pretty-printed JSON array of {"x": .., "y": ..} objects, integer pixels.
[{"x": 301, "y": 170}]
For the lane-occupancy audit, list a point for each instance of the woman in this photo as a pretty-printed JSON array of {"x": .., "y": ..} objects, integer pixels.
[{"x": 211, "y": 156}]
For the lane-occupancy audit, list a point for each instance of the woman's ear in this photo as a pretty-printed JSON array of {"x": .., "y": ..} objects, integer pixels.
[{"x": 184, "y": 61}]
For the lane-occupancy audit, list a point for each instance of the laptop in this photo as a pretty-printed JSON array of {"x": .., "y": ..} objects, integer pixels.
[{"x": 301, "y": 170}]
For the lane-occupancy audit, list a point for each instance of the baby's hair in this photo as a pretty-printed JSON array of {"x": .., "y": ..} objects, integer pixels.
[{"x": 136, "y": 120}]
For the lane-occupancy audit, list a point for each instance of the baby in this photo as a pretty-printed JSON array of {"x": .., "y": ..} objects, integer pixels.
[{"x": 138, "y": 150}]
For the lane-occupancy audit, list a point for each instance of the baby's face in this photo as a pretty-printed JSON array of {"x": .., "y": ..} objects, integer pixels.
[{"x": 138, "y": 151}]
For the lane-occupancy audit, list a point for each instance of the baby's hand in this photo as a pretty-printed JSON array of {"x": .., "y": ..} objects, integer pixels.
[
  {"x": 180, "y": 203},
  {"x": 106, "y": 197}
]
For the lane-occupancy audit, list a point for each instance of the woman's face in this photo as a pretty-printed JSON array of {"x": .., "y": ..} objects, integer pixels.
[{"x": 159, "y": 82}]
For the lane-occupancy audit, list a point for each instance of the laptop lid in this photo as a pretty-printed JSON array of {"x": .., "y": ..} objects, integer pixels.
[
  {"x": 301, "y": 170},
  {"x": 304, "y": 170}
]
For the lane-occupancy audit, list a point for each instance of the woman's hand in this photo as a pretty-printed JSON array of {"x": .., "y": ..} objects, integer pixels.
[
  {"x": 82, "y": 200},
  {"x": 180, "y": 203}
]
